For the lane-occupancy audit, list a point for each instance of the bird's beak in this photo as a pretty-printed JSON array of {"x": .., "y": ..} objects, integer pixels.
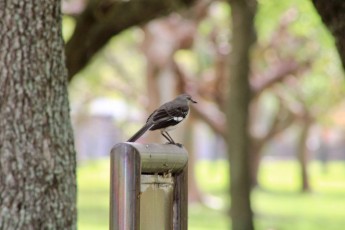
[{"x": 193, "y": 101}]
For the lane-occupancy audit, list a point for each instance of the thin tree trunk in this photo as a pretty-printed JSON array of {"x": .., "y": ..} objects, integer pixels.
[
  {"x": 239, "y": 97},
  {"x": 194, "y": 193},
  {"x": 255, "y": 160},
  {"x": 302, "y": 155},
  {"x": 37, "y": 157}
]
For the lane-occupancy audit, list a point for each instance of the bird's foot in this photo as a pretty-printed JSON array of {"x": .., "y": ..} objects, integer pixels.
[
  {"x": 174, "y": 143},
  {"x": 179, "y": 145}
]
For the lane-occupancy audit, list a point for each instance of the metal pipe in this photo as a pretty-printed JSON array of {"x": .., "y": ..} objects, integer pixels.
[
  {"x": 157, "y": 158},
  {"x": 125, "y": 188},
  {"x": 180, "y": 199}
]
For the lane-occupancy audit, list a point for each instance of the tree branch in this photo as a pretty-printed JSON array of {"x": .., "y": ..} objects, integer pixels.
[
  {"x": 103, "y": 19},
  {"x": 282, "y": 119},
  {"x": 212, "y": 116},
  {"x": 275, "y": 74}
]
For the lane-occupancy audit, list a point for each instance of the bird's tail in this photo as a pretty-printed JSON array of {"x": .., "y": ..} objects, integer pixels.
[{"x": 140, "y": 132}]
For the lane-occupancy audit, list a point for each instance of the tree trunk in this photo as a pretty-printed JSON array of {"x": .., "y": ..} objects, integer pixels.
[
  {"x": 37, "y": 158},
  {"x": 194, "y": 193},
  {"x": 302, "y": 155},
  {"x": 239, "y": 96},
  {"x": 255, "y": 160}
]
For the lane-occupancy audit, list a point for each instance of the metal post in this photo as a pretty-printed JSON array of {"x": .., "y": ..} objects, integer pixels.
[
  {"x": 125, "y": 188},
  {"x": 180, "y": 218},
  {"x": 130, "y": 162},
  {"x": 156, "y": 202}
]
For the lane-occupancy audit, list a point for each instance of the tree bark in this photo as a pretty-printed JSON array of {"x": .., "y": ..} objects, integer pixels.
[
  {"x": 332, "y": 13},
  {"x": 239, "y": 96},
  {"x": 37, "y": 157}
]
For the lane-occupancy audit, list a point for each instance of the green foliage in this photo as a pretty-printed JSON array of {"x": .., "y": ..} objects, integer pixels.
[
  {"x": 277, "y": 205},
  {"x": 321, "y": 87},
  {"x": 68, "y": 27},
  {"x": 306, "y": 24},
  {"x": 114, "y": 72}
]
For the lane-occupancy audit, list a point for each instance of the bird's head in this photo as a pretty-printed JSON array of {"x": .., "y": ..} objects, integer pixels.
[{"x": 186, "y": 97}]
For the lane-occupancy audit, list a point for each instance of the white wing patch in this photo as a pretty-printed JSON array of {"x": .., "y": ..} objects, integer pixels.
[{"x": 178, "y": 118}]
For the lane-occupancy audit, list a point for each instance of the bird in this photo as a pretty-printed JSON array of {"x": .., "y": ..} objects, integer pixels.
[{"x": 167, "y": 117}]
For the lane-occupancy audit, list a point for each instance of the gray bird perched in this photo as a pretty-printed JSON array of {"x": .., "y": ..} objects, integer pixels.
[{"x": 166, "y": 117}]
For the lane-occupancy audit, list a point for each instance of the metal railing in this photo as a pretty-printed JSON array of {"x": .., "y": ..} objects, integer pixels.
[{"x": 148, "y": 187}]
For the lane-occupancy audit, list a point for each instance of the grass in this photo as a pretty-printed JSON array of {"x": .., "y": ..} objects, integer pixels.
[{"x": 278, "y": 205}]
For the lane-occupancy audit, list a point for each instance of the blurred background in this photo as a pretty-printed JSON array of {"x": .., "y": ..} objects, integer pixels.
[{"x": 121, "y": 70}]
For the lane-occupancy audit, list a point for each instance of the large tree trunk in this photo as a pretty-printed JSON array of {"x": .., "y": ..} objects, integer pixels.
[
  {"x": 239, "y": 96},
  {"x": 37, "y": 158},
  {"x": 332, "y": 13}
]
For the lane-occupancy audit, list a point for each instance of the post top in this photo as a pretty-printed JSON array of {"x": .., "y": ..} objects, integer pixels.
[{"x": 155, "y": 158}]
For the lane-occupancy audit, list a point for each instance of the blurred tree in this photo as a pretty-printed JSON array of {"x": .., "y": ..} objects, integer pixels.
[
  {"x": 275, "y": 67},
  {"x": 309, "y": 101},
  {"x": 37, "y": 157},
  {"x": 238, "y": 100},
  {"x": 276, "y": 71},
  {"x": 332, "y": 13}
]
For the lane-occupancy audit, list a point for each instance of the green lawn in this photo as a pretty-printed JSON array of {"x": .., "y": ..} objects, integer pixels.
[{"x": 278, "y": 205}]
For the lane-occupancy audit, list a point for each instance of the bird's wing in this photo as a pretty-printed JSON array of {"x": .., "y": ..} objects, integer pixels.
[{"x": 168, "y": 115}]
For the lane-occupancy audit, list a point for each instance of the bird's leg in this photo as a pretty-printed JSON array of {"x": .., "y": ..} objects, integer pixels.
[
  {"x": 166, "y": 136},
  {"x": 171, "y": 140}
]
